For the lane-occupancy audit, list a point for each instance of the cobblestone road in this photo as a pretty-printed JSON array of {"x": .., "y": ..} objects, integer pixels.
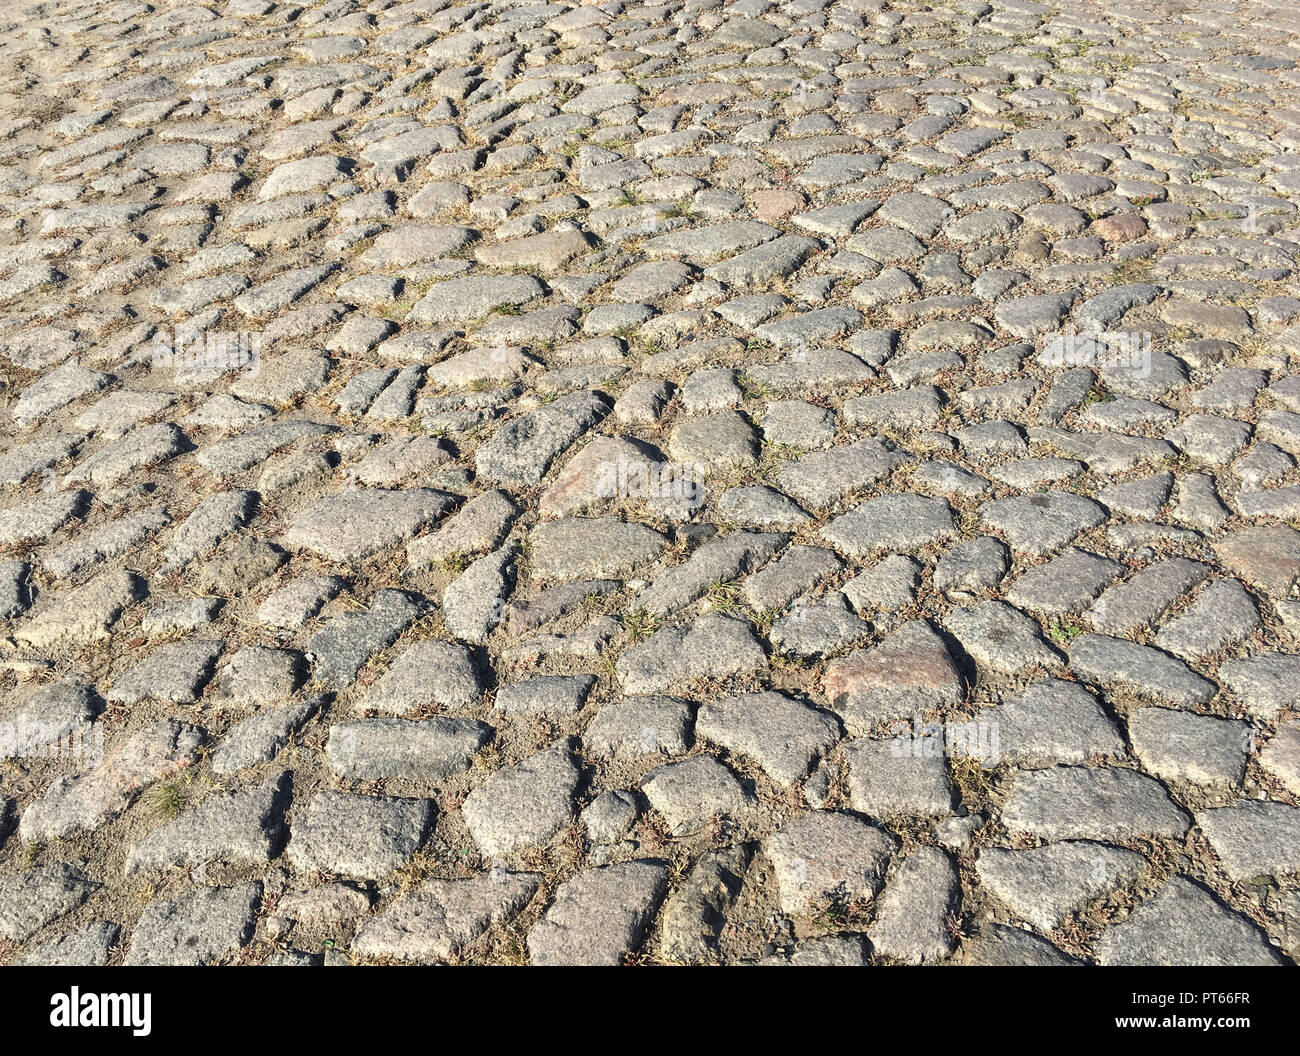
[{"x": 510, "y": 482}]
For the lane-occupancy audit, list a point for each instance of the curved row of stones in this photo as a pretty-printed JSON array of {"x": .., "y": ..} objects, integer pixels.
[{"x": 507, "y": 481}]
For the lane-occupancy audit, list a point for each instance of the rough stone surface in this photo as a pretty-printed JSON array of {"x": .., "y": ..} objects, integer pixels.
[
  {"x": 1083, "y": 803},
  {"x": 911, "y": 923},
  {"x": 824, "y": 859},
  {"x": 696, "y": 912},
  {"x": 599, "y": 916},
  {"x": 87, "y": 800},
  {"x": 694, "y": 792},
  {"x": 910, "y": 671},
  {"x": 1043, "y": 884},
  {"x": 198, "y": 928},
  {"x": 784, "y": 736},
  {"x": 1183, "y": 924},
  {"x": 29, "y": 901},
  {"x": 634, "y": 430},
  {"x": 1255, "y": 838},
  {"x": 442, "y": 917},
  {"x": 525, "y": 805},
  {"x": 365, "y": 836}
]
